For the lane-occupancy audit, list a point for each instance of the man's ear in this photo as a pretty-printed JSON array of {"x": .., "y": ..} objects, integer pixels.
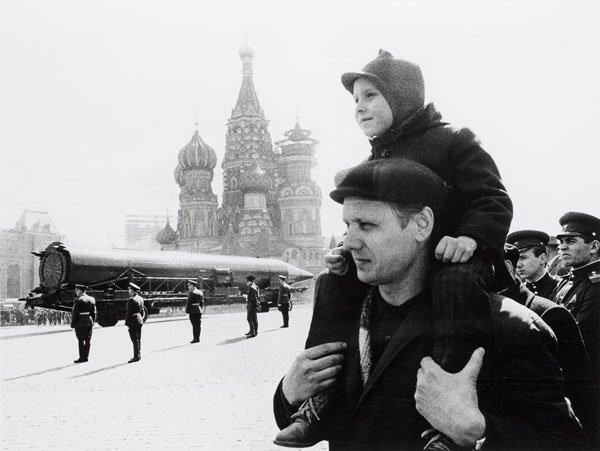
[
  {"x": 510, "y": 268},
  {"x": 424, "y": 221},
  {"x": 595, "y": 246}
]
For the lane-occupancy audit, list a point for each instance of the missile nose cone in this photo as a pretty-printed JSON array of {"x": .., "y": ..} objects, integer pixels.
[{"x": 296, "y": 274}]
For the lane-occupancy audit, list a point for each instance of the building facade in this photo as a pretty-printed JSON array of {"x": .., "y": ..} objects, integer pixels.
[
  {"x": 270, "y": 206},
  {"x": 19, "y": 268},
  {"x": 141, "y": 231}
]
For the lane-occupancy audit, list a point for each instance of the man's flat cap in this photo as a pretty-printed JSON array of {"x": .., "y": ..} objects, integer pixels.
[
  {"x": 397, "y": 180},
  {"x": 282, "y": 277},
  {"x": 134, "y": 286},
  {"x": 579, "y": 224},
  {"x": 250, "y": 278},
  {"x": 524, "y": 239},
  {"x": 80, "y": 286},
  {"x": 193, "y": 282}
]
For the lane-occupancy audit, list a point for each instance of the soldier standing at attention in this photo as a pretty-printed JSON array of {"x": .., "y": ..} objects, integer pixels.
[
  {"x": 252, "y": 307},
  {"x": 194, "y": 306},
  {"x": 579, "y": 291},
  {"x": 134, "y": 320},
  {"x": 82, "y": 320},
  {"x": 533, "y": 258},
  {"x": 283, "y": 300}
]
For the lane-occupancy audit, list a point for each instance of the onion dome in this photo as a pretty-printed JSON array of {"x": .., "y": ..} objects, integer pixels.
[
  {"x": 197, "y": 155},
  {"x": 255, "y": 180},
  {"x": 246, "y": 51},
  {"x": 167, "y": 235}
]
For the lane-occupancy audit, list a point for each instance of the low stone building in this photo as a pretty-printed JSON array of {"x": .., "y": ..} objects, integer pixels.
[{"x": 19, "y": 268}]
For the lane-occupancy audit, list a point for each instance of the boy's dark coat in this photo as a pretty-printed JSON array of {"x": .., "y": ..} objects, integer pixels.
[{"x": 478, "y": 204}]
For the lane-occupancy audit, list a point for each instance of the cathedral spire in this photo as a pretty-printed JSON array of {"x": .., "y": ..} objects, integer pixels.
[{"x": 247, "y": 102}]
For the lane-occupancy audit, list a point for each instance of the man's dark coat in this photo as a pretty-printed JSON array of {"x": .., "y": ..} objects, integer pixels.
[
  {"x": 579, "y": 292},
  {"x": 84, "y": 311},
  {"x": 195, "y": 302},
  {"x": 543, "y": 287},
  {"x": 134, "y": 314},
  {"x": 253, "y": 300},
  {"x": 519, "y": 386}
]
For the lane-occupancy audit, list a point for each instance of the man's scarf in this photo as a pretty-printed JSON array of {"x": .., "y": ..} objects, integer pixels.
[{"x": 365, "y": 347}]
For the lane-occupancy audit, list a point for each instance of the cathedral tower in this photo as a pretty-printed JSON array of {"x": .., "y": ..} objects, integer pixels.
[
  {"x": 197, "y": 221},
  {"x": 248, "y": 146},
  {"x": 299, "y": 199}
]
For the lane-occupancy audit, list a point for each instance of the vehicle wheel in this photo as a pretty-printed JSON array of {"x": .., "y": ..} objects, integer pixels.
[{"x": 108, "y": 320}]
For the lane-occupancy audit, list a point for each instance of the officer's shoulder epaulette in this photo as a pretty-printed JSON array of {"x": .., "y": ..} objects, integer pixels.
[{"x": 594, "y": 277}]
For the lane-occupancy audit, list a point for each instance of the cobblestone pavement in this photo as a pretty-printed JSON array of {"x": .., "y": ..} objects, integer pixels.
[{"x": 213, "y": 395}]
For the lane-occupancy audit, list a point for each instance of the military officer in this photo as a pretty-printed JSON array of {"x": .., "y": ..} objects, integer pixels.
[
  {"x": 579, "y": 291},
  {"x": 194, "y": 306},
  {"x": 252, "y": 302},
  {"x": 82, "y": 320},
  {"x": 533, "y": 258},
  {"x": 134, "y": 320},
  {"x": 572, "y": 353},
  {"x": 283, "y": 300}
]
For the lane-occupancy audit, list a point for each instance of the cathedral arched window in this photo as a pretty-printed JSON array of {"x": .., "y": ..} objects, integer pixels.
[{"x": 233, "y": 183}]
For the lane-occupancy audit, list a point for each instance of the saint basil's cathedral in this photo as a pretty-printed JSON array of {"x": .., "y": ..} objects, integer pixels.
[{"x": 270, "y": 205}]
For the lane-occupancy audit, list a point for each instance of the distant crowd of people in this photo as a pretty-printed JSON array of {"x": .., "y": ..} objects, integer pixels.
[{"x": 22, "y": 317}]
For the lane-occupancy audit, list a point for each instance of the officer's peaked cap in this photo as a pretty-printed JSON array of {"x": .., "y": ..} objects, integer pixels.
[
  {"x": 525, "y": 239},
  {"x": 579, "y": 224},
  {"x": 134, "y": 286}
]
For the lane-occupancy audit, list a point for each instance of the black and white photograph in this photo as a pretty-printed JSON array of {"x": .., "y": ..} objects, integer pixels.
[{"x": 267, "y": 225}]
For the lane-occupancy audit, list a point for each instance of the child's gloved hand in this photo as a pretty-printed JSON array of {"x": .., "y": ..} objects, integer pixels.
[
  {"x": 336, "y": 262},
  {"x": 455, "y": 250}
]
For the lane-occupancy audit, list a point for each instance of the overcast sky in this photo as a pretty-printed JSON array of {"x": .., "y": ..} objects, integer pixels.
[{"x": 97, "y": 98}]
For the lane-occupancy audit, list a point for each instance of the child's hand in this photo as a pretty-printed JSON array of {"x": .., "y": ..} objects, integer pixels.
[
  {"x": 455, "y": 250},
  {"x": 335, "y": 261}
]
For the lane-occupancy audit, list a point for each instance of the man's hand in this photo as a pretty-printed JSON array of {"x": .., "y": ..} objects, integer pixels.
[
  {"x": 455, "y": 250},
  {"x": 335, "y": 261},
  {"x": 449, "y": 401},
  {"x": 314, "y": 371}
]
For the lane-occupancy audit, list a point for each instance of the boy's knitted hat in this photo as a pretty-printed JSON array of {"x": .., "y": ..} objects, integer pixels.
[{"x": 399, "y": 81}]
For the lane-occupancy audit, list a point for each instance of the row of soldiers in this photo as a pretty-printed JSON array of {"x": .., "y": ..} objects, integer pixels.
[
  {"x": 253, "y": 303},
  {"x": 84, "y": 314},
  {"x": 83, "y": 318},
  {"x": 551, "y": 296}
]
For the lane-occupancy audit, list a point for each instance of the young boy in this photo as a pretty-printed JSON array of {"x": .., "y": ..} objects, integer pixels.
[{"x": 390, "y": 110}]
